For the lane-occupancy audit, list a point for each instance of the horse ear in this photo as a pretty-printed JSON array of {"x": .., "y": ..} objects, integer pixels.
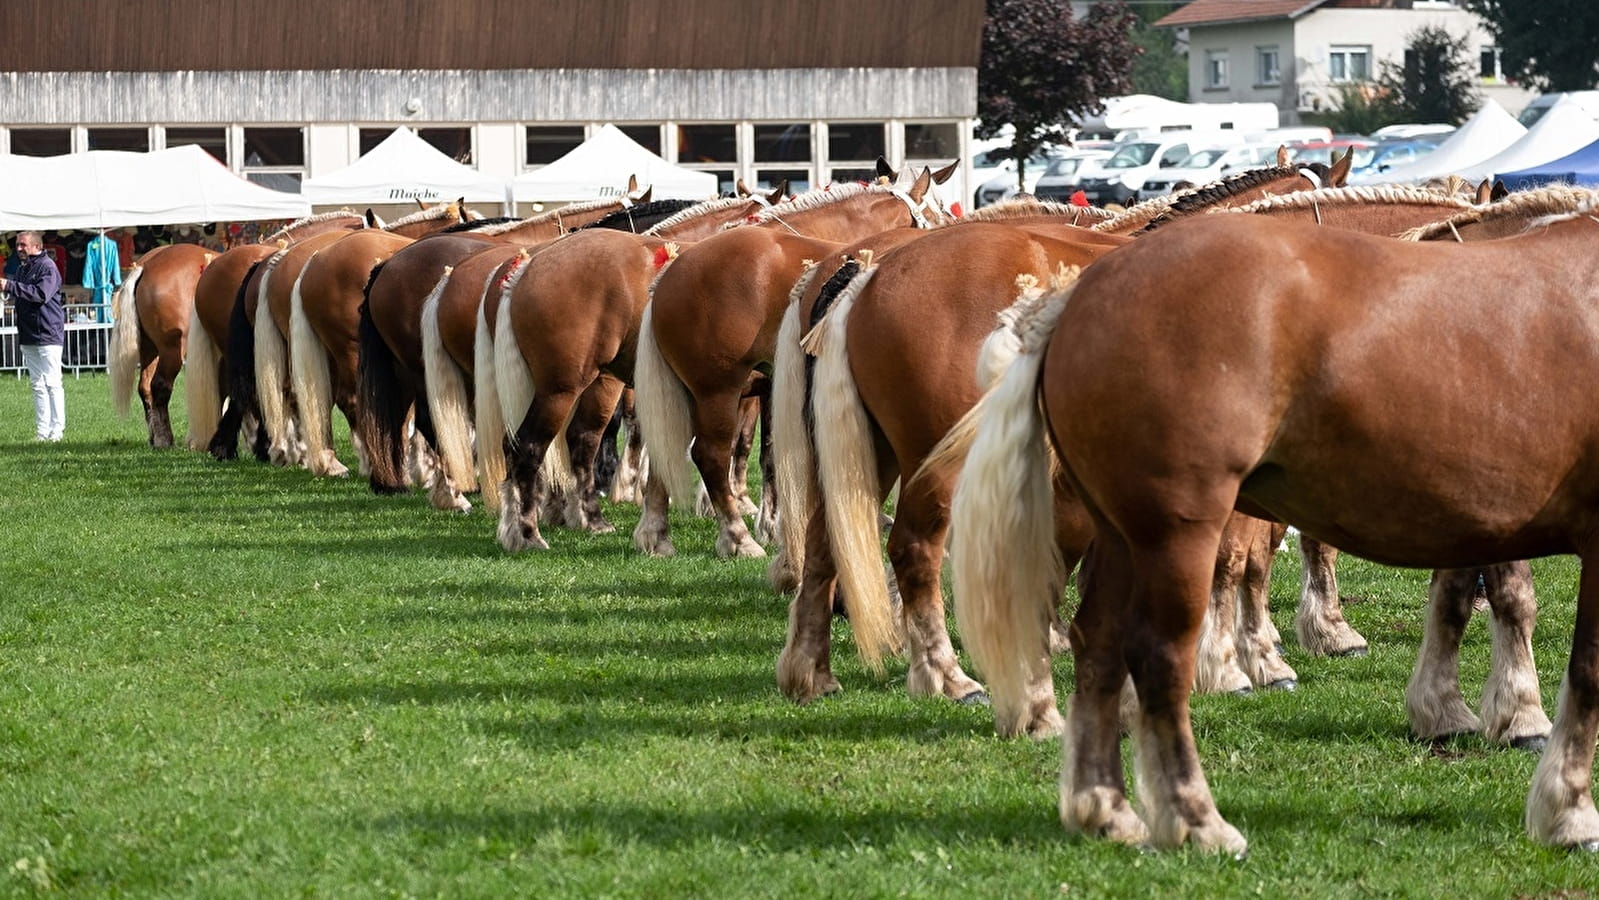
[
  {"x": 645, "y": 197},
  {"x": 420, "y": 204},
  {"x": 1338, "y": 175},
  {"x": 884, "y": 170},
  {"x": 742, "y": 189},
  {"x": 923, "y": 182},
  {"x": 1500, "y": 192},
  {"x": 632, "y": 183},
  {"x": 944, "y": 174},
  {"x": 373, "y": 220},
  {"x": 1282, "y": 155},
  {"x": 776, "y": 196}
]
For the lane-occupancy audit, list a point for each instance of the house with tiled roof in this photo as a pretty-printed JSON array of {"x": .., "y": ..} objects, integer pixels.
[{"x": 1298, "y": 53}]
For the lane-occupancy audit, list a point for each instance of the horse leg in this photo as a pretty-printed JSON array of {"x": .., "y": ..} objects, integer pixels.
[
  {"x": 749, "y": 413},
  {"x": 1217, "y": 670},
  {"x": 1560, "y": 808},
  {"x": 583, "y": 434},
  {"x": 608, "y": 460},
  {"x": 1259, "y": 644},
  {"x": 804, "y": 668},
  {"x": 766, "y": 514},
  {"x": 1512, "y": 710},
  {"x": 1432, "y": 699},
  {"x": 652, "y": 536},
  {"x": 1171, "y": 586},
  {"x": 625, "y": 488},
  {"x": 1320, "y": 624},
  {"x": 1093, "y": 791},
  {"x": 916, "y": 550},
  {"x": 519, "y": 522},
  {"x": 716, "y": 424}
]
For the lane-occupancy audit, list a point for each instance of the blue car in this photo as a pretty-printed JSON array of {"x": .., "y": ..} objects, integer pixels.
[{"x": 1389, "y": 156}]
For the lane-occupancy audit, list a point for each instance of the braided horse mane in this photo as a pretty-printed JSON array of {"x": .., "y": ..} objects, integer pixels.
[
  {"x": 1543, "y": 207},
  {"x": 1021, "y": 207},
  {"x": 1209, "y": 195},
  {"x": 813, "y": 199},
  {"x": 433, "y": 212},
  {"x": 699, "y": 210},
  {"x": 1395, "y": 195},
  {"x": 286, "y": 231},
  {"x": 551, "y": 216}
]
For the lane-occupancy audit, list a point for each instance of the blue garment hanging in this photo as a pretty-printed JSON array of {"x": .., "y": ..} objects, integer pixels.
[{"x": 102, "y": 272}]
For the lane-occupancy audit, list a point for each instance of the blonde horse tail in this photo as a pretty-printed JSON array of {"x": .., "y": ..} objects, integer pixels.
[
  {"x": 1007, "y": 566},
  {"x": 665, "y": 414},
  {"x": 488, "y": 423},
  {"x": 851, "y": 495},
  {"x": 515, "y": 384},
  {"x": 124, "y": 363},
  {"x": 271, "y": 368},
  {"x": 791, "y": 445},
  {"x": 202, "y": 392},
  {"x": 446, "y": 395},
  {"x": 313, "y": 386}
]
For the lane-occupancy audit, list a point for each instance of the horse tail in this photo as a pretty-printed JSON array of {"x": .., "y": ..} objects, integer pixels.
[
  {"x": 384, "y": 406},
  {"x": 790, "y": 444},
  {"x": 313, "y": 385},
  {"x": 515, "y": 384},
  {"x": 271, "y": 366},
  {"x": 487, "y": 421},
  {"x": 202, "y": 392},
  {"x": 665, "y": 413},
  {"x": 124, "y": 364},
  {"x": 1006, "y": 563},
  {"x": 240, "y": 375},
  {"x": 851, "y": 495},
  {"x": 446, "y": 396}
]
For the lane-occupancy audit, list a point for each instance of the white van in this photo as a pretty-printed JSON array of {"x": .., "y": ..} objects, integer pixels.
[
  {"x": 1540, "y": 105},
  {"x": 1206, "y": 165},
  {"x": 1119, "y": 178}
]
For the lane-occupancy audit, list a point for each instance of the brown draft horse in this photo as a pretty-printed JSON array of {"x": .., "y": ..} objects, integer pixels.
[
  {"x": 713, "y": 320},
  {"x": 458, "y": 345},
  {"x": 892, "y": 377},
  {"x": 214, "y": 299},
  {"x": 563, "y": 348},
  {"x": 271, "y": 322},
  {"x": 1164, "y": 421},
  {"x": 392, "y": 365},
  {"x": 149, "y": 338}
]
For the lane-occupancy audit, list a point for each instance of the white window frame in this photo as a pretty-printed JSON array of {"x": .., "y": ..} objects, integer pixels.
[
  {"x": 1216, "y": 66},
  {"x": 1498, "y": 76},
  {"x": 1348, "y": 52},
  {"x": 1274, "y": 77}
]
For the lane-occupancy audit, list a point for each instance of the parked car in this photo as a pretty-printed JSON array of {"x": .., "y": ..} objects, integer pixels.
[
  {"x": 1002, "y": 184},
  {"x": 1206, "y": 165},
  {"x": 1412, "y": 132},
  {"x": 1539, "y": 105},
  {"x": 1390, "y": 155},
  {"x": 1117, "y": 179},
  {"x": 1324, "y": 151},
  {"x": 1063, "y": 177}
]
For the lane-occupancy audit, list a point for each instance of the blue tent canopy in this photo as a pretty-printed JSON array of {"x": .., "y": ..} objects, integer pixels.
[{"x": 1581, "y": 167}]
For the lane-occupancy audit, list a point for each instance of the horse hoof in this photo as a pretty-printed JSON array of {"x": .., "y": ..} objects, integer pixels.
[
  {"x": 1284, "y": 684},
  {"x": 1585, "y": 846},
  {"x": 975, "y": 698},
  {"x": 1277, "y": 648},
  {"x": 1532, "y": 743},
  {"x": 1242, "y": 692},
  {"x": 1352, "y": 653}
]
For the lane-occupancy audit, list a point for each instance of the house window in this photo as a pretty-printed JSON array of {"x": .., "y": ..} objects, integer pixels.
[
  {"x": 547, "y": 143},
  {"x": 456, "y": 143},
  {"x": 707, "y": 143},
  {"x": 136, "y": 140},
  {"x": 783, "y": 143},
  {"x": 212, "y": 140},
  {"x": 932, "y": 140},
  {"x": 646, "y": 136},
  {"x": 1349, "y": 64},
  {"x": 799, "y": 180},
  {"x": 41, "y": 141},
  {"x": 1215, "y": 68},
  {"x": 275, "y": 157},
  {"x": 1490, "y": 70},
  {"x": 1267, "y": 70},
  {"x": 856, "y": 141}
]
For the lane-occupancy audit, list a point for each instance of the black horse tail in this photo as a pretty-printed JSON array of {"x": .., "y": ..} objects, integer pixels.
[
  {"x": 240, "y": 377},
  {"x": 386, "y": 399}
]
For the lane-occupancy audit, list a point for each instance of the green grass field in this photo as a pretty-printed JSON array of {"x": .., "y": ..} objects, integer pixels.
[{"x": 222, "y": 680}]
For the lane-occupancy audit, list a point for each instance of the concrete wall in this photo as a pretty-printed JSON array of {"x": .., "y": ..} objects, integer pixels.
[{"x": 1241, "y": 42}]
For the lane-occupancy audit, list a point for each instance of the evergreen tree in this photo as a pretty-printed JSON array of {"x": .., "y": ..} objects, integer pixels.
[{"x": 1551, "y": 45}]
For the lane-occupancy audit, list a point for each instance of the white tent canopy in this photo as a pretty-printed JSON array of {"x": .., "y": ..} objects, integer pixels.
[
  {"x": 111, "y": 188},
  {"x": 402, "y": 169},
  {"x": 599, "y": 167},
  {"x": 1567, "y": 127},
  {"x": 1488, "y": 132}
]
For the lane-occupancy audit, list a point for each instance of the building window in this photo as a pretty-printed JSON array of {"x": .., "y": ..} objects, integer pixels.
[
  {"x": 646, "y": 136},
  {"x": 934, "y": 140},
  {"x": 1267, "y": 70},
  {"x": 136, "y": 140},
  {"x": 212, "y": 140},
  {"x": 275, "y": 157},
  {"x": 1215, "y": 68},
  {"x": 783, "y": 143},
  {"x": 707, "y": 143},
  {"x": 548, "y": 143},
  {"x": 1345, "y": 64},
  {"x": 41, "y": 141},
  {"x": 799, "y": 180},
  {"x": 856, "y": 141},
  {"x": 456, "y": 143},
  {"x": 1490, "y": 69}
]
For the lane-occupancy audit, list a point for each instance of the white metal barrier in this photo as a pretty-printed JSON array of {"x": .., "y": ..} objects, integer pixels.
[{"x": 87, "y": 340}]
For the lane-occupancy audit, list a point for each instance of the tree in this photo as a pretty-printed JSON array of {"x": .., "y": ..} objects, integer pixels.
[
  {"x": 1436, "y": 83},
  {"x": 1551, "y": 45},
  {"x": 1158, "y": 69},
  {"x": 1040, "y": 68}
]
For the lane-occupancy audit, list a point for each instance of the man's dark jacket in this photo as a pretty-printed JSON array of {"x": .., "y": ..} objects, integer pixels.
[{"x": 36, "y": 292}]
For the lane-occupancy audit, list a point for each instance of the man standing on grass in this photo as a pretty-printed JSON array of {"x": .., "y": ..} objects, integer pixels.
[{"x": 35, "y": 291}]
